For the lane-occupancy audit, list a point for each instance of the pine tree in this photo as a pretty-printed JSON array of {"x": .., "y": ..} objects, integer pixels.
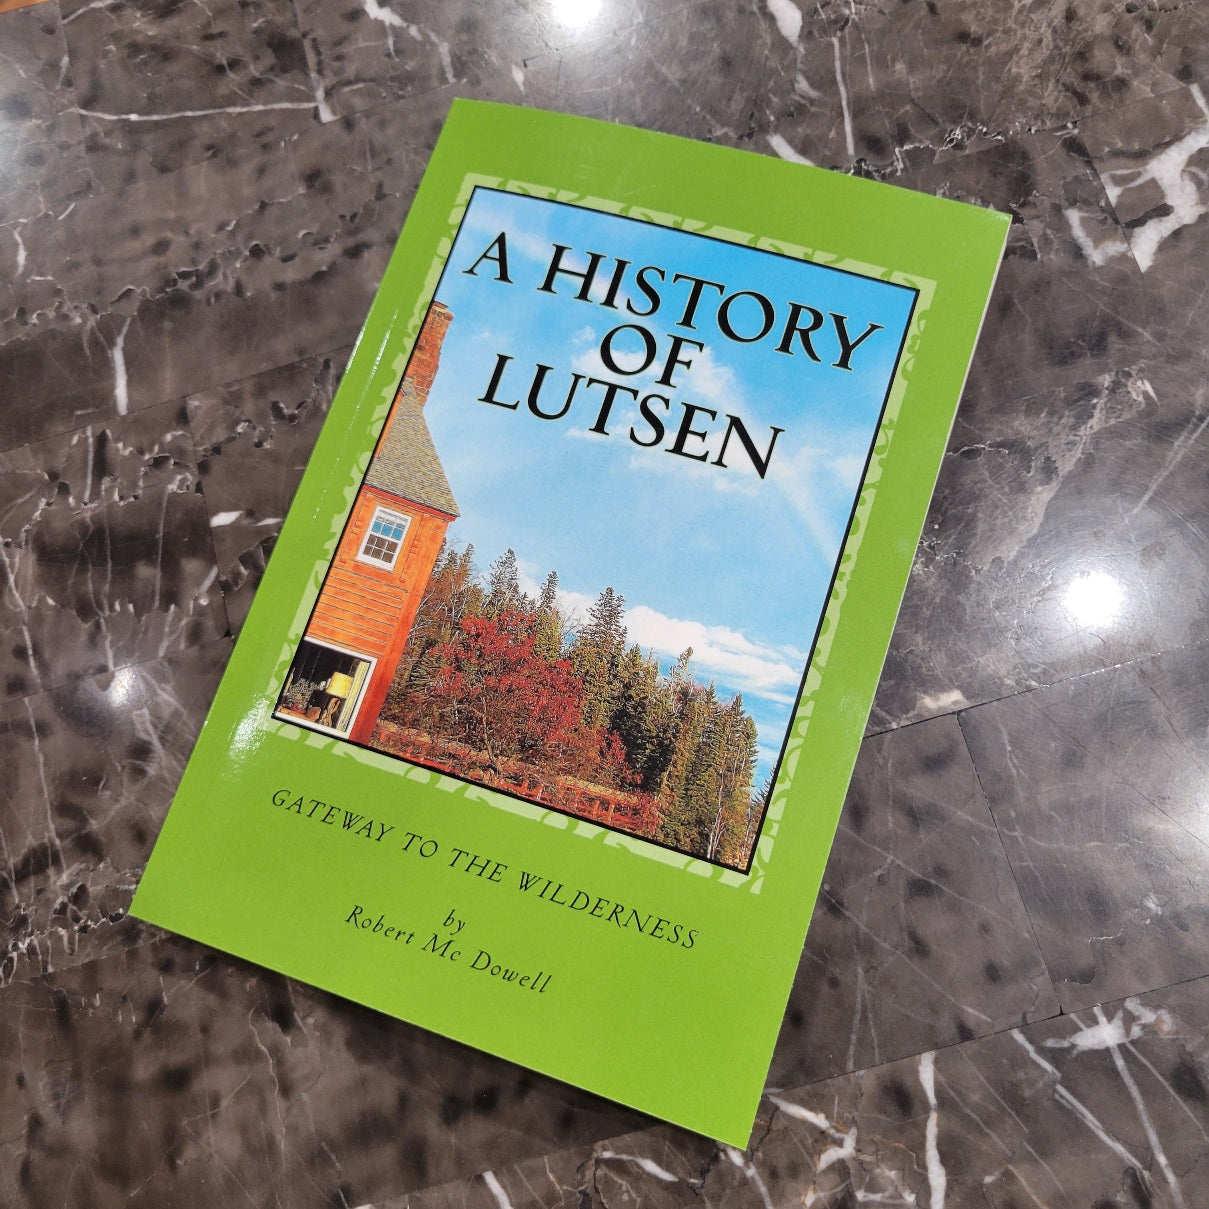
[
  {"x": 757, "y": 807},
  {"x": 705, "y": 794},
  {"x": 551, "y": 627},
  {"x": 736, "y": 755},
  {"x": 450, "y": 595},
  {"x": 642, "y": 717},
  {"x": 678, "y": 826},
  {"x": 504, "y": 593},
  {"x": 700, "y": 791},
  {"x": 596, "y": 656}
]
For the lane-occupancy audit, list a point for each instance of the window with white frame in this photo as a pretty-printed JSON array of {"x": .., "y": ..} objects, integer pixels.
[{"x": 384, "y": 538}]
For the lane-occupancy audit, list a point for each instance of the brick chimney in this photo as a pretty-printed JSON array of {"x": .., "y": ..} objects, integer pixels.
[{"x": 422, "y": 368}]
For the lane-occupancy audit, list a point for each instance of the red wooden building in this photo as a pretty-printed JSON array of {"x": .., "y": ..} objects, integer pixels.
[{"x": 352, "y": 644}]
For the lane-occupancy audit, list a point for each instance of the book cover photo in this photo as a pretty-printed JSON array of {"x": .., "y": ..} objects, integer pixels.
[
  {"x": 637, "y": 666},
  {"x": 544, "y": 714}
]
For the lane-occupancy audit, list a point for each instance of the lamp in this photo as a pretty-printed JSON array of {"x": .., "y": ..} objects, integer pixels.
[{"x": 340, "y": 685}]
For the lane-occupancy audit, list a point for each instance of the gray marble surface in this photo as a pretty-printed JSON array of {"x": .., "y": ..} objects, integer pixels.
[{"x": 1004, "y": 998}]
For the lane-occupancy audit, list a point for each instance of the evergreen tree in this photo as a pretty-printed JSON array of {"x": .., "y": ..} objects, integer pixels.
[
  {"x": 596, "y": 656},
  {"x": 681, "y": 675},
  {"x": 702, "y": 774},
  {"x": 548, "y": 602},
  {"x": 551, "y": 626},
  {"x": 679, "y": 827},
  {"x": 757, "y": 807},
  {"x": 504, "y": 593},
  {"x": 705, "y": 792},
  {"x": 450, "y": 595},
  {"x": 736, "y": 754},
  {"x": 643, "y": 717}
]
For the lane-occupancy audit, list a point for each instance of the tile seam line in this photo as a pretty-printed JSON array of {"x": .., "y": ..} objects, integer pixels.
[
  {"x": 1118, "y": 777},
  {"x": 1028, "y": 915},
  {"x": 961, "y": 710},
  {"x": 593, "y": 1149},
  {"x": 1000, "y": 1032}
]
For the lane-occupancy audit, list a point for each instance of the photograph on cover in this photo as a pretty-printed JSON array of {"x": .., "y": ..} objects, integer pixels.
[{"x": 590, "y": 557}]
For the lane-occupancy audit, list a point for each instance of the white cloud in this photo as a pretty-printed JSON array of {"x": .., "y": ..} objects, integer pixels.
[
  {"x": 575, "y": 605},
  {"x": 848, "y": 469},
  {"x": 588, "y": 361},
  {"x": 571, "y": 433},
  {"x": 706, "y": 381},
  {"x": 487, "y": 222},
  {"x": 719, "y": 652},
  {"x": 767, "y": 757},
  {"x": 819, "y": 485},
  {"x": 527, "y": 576},
  {"x": 710, "y": 382}
]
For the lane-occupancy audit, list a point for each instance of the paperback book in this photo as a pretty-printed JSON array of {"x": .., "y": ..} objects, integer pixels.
[{"x": 543, "y": 717}]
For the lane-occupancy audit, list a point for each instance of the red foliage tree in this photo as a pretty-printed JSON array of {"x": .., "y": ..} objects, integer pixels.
[{"x": 496, "y": 693}]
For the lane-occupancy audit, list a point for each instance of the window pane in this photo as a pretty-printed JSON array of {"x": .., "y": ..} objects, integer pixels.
[{"x": 384, "y": 538}]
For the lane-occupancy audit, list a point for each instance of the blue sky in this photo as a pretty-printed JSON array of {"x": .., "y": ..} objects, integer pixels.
[{"x": 710, "y": 557}]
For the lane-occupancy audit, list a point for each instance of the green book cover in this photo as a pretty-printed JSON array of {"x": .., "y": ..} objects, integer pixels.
[{"x": 540, "y": 726}]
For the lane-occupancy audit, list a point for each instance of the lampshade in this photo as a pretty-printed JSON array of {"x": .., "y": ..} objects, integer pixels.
[{"x": 340, "y": 685}]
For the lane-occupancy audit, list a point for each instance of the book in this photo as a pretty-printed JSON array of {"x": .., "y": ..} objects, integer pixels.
[{"x": 539, "y": 728}]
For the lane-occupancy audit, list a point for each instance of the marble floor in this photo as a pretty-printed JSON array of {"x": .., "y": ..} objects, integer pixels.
[{"x": 1004, "y": 998}]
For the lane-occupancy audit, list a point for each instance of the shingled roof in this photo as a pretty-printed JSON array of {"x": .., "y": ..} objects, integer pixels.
[{"x": 406, "y": 464}]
